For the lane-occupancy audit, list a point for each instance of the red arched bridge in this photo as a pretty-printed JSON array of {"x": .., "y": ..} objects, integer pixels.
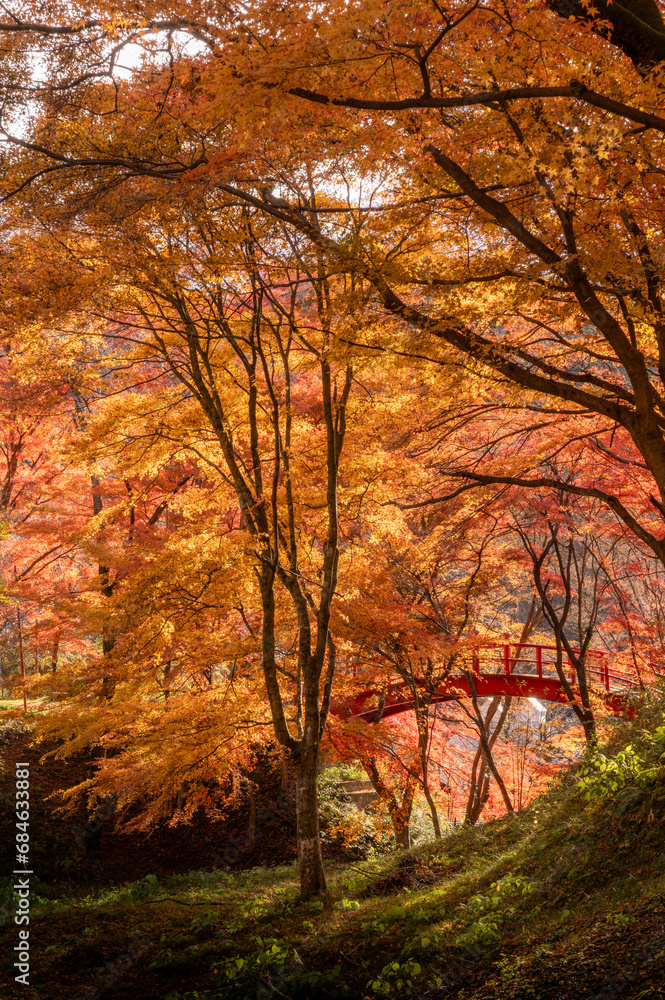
[{"x": 521, "y": 670}]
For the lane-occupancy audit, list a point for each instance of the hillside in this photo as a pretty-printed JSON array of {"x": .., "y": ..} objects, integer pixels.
[{"x": 566, "y": 900}]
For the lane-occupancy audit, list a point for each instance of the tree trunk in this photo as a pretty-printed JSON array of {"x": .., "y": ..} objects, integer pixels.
[
  {"x": 486, "y": 749},
  {"x": 557, "y": 620},
  {"x": 424, "y": 745},
  {"x": 433, "y": 811},
  {"x": 480, "y": 774},
  {"x": 477, "y": 776},
  {"x": 106, "y": 587},
  {"x": 169, "y": 671},
  {"x": 402, "y": 831},
  {"x": 589, "y": 726},
  {"x": 92, "y": 837},
  {"x": 54, "y": 653},
  {"x": 22, "y": 662},
  {"x": 310, "y": 860},
  {"x": 480, "y": 796},
  {"x": 251, "y": 828},
  {"x": 400, "y": 814},
  {"x": 423, "y": 740}
]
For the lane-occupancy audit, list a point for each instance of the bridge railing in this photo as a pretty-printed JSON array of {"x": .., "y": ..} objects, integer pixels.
[{"x": 540, "y": 660}]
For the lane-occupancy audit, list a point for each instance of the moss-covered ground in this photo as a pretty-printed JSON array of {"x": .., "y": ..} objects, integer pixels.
[{"x": 566, "y": 900}]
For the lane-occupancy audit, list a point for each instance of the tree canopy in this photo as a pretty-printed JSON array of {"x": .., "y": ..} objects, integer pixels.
[{"x": 333, "y": 340}]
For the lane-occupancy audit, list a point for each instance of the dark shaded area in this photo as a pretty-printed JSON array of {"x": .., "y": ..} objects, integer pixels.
[
  {"x": 637, "y": 26},
  {"x": 87, "y": 849},
  {"x": 625, "y": 961},
  {"x": 411, "y": 872}
]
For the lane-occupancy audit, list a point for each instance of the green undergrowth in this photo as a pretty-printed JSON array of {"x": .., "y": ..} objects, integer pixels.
[{"x": 565, "y": 900}]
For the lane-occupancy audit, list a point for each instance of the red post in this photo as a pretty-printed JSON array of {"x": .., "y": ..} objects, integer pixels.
[
  {"x": 607, "y": 673},
  {"x": 20, "y": 650},
  {"x": 539, "y": 661},
  {"x": 506, "y": 658}
]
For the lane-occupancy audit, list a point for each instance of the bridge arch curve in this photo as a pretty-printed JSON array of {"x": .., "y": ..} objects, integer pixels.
[{"x": 519, "y": 670}]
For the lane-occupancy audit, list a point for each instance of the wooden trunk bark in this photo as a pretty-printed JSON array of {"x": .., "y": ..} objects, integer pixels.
[{"x": 310, "y": 859}]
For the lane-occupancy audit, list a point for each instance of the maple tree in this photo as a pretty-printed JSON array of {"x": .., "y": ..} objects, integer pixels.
[
  {"x": 247, "y": 383},
  {"x": 514, "y": 109},
  {"x": 39, "y": 562},
  {"x": 521, "y": 127},
  {"x": 455, "y": 206},
  {"x": 422, "y": 595}
]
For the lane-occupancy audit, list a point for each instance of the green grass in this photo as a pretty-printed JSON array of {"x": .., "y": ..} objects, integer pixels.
[
  {"x": 503, "y": 910},
  {"x": 566, "y": 900}
]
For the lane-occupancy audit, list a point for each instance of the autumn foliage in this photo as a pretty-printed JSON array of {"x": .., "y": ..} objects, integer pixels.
[{"x": 333, "y": 347}]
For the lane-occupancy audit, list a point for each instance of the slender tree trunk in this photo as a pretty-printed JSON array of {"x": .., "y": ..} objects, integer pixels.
[
  {"x": 20, "y": 650},
  {"x": 480, "y": 775},
  {"x": 433, "y": 812},
  {"x": 400, "y": 816},
  {"x": 478, "y": 772},
  {"x": 108, "y": 639},
  {"x": 310, "y": 859},
  {"x": 400, "y": 813},
  {"x": 473, "y": 787},
  {"x": 106, "y": 587},
  {"x": 258, "y": 484},
  {"x": 166, "y": 681},
  {"x": 54, "y": 653},
  {"x": 557, "y": 619},
  {"x": 93, "y": 832},
  {"x": 402, "y": 830},
  {"x": 584, "y": 712},
  {"x": 486, "y": 749},
  {"x": 589, "y": 727},
  {"x": 424, "y": 737},
  {"x": 251, "y": 827},
  {"x": 587, "y": 717}
]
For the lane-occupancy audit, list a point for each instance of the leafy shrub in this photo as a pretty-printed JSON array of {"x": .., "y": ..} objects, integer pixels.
[
  {"x": 261, "y": 967},
  {"x": 203, "y": 925},
  {"x": 177, "y": 951},
  {"x": 346, "y": 772},
  {"x": 395, "y": 978},
  {"x": 603, "y": 778},
  {"x": 330, "y": 789},
  {"x": 489, "y": 911},
  {"x": 421, "y": 827},
  {"x": 8, "y": 901},
  {"x": 144, "y": 887},
  {"x": 355, "y": 833},
  {"x": 360, "y": 833},
  {"x": 318, "y": 983}
]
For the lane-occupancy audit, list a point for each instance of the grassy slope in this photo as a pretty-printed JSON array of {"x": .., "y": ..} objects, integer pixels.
[{"x": 583, "y": 915}]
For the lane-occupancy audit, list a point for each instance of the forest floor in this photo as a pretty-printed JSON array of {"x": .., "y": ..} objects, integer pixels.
[{"x": 566, "y": 900}]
